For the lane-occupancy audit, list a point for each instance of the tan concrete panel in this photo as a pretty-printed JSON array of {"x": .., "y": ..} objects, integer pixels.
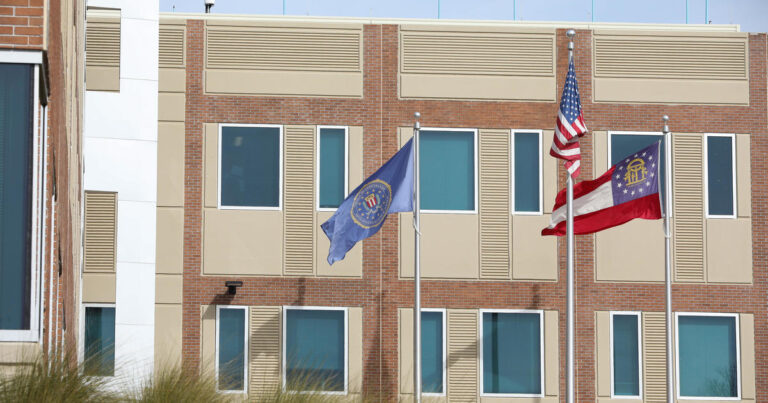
[
  {"x": 355, "y": 350},
  {"x": 600, "y": 158},
  {"x": 534, "y": 257},
  {"x": 630, "y": 252},
  {"x": 405, "y": 350},
  {"x": 170, "y": 164},
  {"x": 211, "y": 164},
  {"x": 444, "y": 86},
  {"x": 747, "y": 344},
  {"x": 549, "y": 172},
  {"x": 102, "y": 78},
  {"x": 242, "y": 242},
  {"x": 356, "y": 171},
  {"x": 286, "y": 83},
  {"x": 551, "y": 354},
  {"x": 16, "y": 353},
  {"x": 729, "y": 250},
  {"x": 208, "y": 338},
  {"x": 99, "y": 288},
  {"x": 169, "y": 256},
  {"x": 351, "y": 266},
  {"x": 646, "y": 90},
  {"x": 743, "y": 176},
  {"x": 603, "y": 353},
  {"x": 170, "y": 107},
  {"x": 168, "y": 334},
  {"x": 449, "y": 246},
  {"x": 172, "y": 80},
  {"x": 169, "y": 288}
]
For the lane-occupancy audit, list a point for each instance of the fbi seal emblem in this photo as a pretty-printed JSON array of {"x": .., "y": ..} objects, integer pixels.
[{"x": 371, "y": 204}]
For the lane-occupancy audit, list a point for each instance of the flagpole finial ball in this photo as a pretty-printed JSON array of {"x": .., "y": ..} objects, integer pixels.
[
  {"x": 665, "y": 118},
  {"x": 417, "y": 115},
  {"x": 570, "y": 33}
]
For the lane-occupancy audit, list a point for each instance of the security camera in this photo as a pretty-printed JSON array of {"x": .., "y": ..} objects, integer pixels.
[{"x": 208, "y": 5}]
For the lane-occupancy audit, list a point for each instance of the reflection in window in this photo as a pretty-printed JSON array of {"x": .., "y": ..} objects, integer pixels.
[
  {"x": 432, "y": 352},
  {"x": 626, "y": 359},
  {"x": 527, "y": 180},
  {"x": 512, "y": 353},
  {"x": 231, "y": 354},
  {"x": 447, "y": 167},
  {"x": 314, "y": 350},
  {"x": 332, "y": 166},
  {"x": 250, "y": 166},
  {"x": 99, "y": 341},
  {"x": 720, "y": 187},
  {"x": 707, "y": 356}
]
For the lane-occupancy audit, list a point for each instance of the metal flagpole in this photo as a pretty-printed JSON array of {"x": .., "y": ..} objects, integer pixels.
[
  {"x": 569, "y": 360},
  {"x": 668, "y": 252},
  {"x": 416, "y": 265}
]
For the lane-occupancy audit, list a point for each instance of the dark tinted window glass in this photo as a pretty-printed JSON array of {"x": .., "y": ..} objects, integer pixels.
[{"x": 250, "y": 166}]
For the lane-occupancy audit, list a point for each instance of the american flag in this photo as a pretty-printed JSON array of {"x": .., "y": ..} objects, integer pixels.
[{"x": 570, "y": 125}]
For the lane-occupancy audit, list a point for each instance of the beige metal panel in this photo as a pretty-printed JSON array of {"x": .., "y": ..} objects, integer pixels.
[
  {"x": 168, "y": 335},
  {"x": 169, "y": 288},
  {"x": 100, "y": 78},
  {"x": 208, "y": 338},
  {"x": 447, "y": 86},
  {"x": 462, "y": 371},
  {"x": 299, "y": 188},
  {"x": 743, "y": 176},
  {"x": 630, "y": 252},
  {"x": 551, "y": 354},
  {"x": 17, "y": 353},
  {"x": 549, "y": 172},
  {"x": 650, "y": 90},
  {"x": 356, "y": 171},
  {"x": 172, "y": 80},
  {"x": 654, "y": 357},
  {"x": 747, "y": 344},
  {"x": 603, "y": 353},
  {"x": 211, "y": 164},
  {"x": 494, "y": 204},
  {"x": 405, "y": 350},
  {"x": 688, "y": 209},
  {"x": 171, "y": 107},
  {"x": 285, "y": 83},
  {"x": 351, "y": 266},
  {"x": 534, "y": 257},
  {"x": 102, "y": 42},
  {"x": 170, "y": 240},
  {"x": 600, "y": 159},
  {"x": 729, "y": 250},
  {"x": 264, "y": 361},
  {"x": 170, "y": 164},
  {"x": 242, "y": 242},
  {"x": 449, "y": 246},
  {"x": 99, "y": 288},
  {"x": 355, "y": 350},
  {"x": 171, "y": 45},
  {"x": 100, "y": 231}
]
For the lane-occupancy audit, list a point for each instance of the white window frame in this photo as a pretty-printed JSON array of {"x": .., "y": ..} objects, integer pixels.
[
  {"x": 37, "y": 211},
  {"x": 317, "y": 165},
  {"x": 287, "y": 308},
  {"x": 706, "y": 174},
  {"x": 540, "y": 211},
  {"x": 279, "y": 179},
  {"x": 476, "y": 184},
  {"x": 81, "y": 342},
  {"x": 445, "y": 339},
  {"x": 671, "y": 155},
  {"x": 677, "y": 354},
  {"x": 540, "y": 312},
  {"x": 245, "y": 350},
  {"x": 639, "y": 354}
]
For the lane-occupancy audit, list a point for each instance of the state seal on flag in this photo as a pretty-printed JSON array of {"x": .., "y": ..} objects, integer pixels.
[{"x": 371, "y": 204}]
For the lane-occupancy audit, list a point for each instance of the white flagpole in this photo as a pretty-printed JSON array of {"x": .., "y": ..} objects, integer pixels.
[
  {"x": 569, "y": 359},
  {"x": 668, "y": 253},
  {"x": 416, "y": 265}
]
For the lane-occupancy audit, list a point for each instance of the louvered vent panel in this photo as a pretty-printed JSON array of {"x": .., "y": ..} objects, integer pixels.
[
  {"x": 494, "y": 204},
  {"x": 688, "y": 209},
  {"x": 264, "y": 350},
  {"x": 462, "y": 356},
  {"x": 100, "y": 230},
  {"x": 689, "y": 58},
  {"x": 102, "y": 44},
  {"x": 654, "y": 357},
  {"x": 171, "y": 47},
  {"x": 299, "y": 200},
  {"x": 477, "y": 53},
  {"x": 284, "y": 49}
]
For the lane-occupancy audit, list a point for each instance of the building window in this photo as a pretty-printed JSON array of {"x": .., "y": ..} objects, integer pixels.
[
  {"x": 625, "y": 354},
  {"x": 432, "y": 352},
  {"x": 250, "y": 159},
  {"x": 332, "y": 167},
  {"x": 17, "y": 103},
  {"x": 512, "y": 353},
  {"x": 622, "y": 145},
  {"x": 526, "y": 172},
  {"x": 231, "y": 342},
  {"x": 721, "y": 175},
  {"x": 315, "y": 349},
  {"x": 707, "y": 356},
  {"x": 99, "y": 341},
  {"x": 448, "y": 165}
]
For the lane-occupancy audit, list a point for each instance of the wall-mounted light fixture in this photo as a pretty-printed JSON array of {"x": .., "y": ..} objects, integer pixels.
[{"x": 232, "y": 286}]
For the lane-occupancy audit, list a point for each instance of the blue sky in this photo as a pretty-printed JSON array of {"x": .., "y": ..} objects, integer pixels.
[{"x": 752, "y": 15}]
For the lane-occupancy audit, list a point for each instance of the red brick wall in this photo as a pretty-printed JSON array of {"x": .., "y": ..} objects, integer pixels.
[
  {"x": 21, "y": 24},
  {"x": 380, "y": 292}
]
